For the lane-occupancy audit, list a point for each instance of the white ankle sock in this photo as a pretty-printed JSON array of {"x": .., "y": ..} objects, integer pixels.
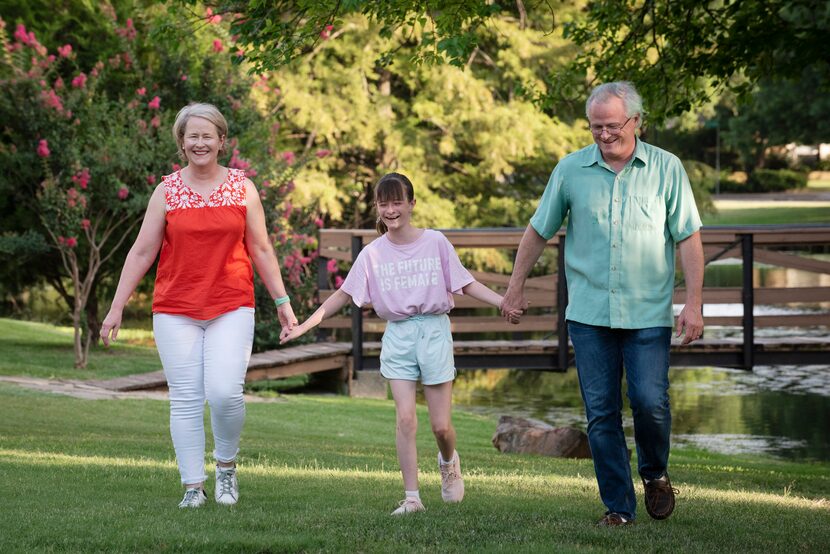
[{"x": 413, "y": 494}]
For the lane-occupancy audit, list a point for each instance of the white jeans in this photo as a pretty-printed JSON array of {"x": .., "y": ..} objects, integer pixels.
[{"x": 205, "y": 359}]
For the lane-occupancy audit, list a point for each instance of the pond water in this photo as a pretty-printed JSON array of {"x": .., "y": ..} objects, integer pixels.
[{"x": 783, "y": 411}]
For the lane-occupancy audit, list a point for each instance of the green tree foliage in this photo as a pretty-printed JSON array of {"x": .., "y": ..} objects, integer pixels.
[
  {"x": 778, "y": 112},
  {"x": 675, "y": 49},
  {"x": 478, "y": 153},
  {"x": 275, "y": 33},
  {"x": 83, "y": 146}
]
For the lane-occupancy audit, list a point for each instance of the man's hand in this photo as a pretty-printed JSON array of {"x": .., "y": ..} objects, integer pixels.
[
  {"x": 514, "y": 304},
  {"x": 690, "y": 321}
]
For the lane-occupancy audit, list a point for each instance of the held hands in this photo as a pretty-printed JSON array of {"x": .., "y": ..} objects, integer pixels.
[
  {"x": 513, "y": 305},
  {"x": 288, "y": 321},
  {"x": 690, "y": 321},
  {"x": 292, "y": 333}
]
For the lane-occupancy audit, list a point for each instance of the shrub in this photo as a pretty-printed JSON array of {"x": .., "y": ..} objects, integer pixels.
[
  {"x": 776, "y": 180},
  {"x": 703, "y": 179}
]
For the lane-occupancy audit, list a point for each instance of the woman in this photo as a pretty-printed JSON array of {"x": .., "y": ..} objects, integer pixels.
[{"x": 209, "y": 224}]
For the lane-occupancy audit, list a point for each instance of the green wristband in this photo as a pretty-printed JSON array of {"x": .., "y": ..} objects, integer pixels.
[{"x": 281, "y": 300}]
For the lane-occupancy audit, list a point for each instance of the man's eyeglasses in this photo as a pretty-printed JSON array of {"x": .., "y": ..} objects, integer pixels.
[{"x": 611, "y": 129}]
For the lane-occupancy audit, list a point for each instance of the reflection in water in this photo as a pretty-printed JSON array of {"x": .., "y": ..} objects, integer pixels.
[{"x": 777, "y": 410}]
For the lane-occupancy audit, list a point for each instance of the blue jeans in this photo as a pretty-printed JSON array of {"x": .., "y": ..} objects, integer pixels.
[{"x": 601, "y": 354}]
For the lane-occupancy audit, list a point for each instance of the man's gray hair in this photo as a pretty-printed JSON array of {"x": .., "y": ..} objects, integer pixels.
[{"x": 624, "y": 90}]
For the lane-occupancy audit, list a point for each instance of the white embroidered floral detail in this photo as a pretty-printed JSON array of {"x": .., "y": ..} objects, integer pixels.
[{"x": 179, "y": 196}]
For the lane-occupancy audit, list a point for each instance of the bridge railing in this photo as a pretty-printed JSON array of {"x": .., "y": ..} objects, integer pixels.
[{"x": 799, "y": 247}]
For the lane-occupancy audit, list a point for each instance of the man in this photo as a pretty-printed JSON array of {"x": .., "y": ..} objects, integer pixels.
[{"x": 628, "y": 204}]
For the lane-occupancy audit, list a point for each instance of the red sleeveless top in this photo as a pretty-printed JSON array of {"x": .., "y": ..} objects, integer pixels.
[{"x": 204, "y": 269}]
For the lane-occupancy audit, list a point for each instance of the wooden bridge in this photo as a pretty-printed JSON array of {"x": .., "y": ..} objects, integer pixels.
[
  {"x": 540, "y": 341},
  {"x": 483, "y": 339}
]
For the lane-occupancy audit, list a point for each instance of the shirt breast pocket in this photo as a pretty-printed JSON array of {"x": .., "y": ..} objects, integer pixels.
[{"x": 645, "y": 213}]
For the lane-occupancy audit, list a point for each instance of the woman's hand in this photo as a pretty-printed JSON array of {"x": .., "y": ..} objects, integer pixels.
[
  {"x": 288, "y": 320},
  {"x": 110, "y": 326}
]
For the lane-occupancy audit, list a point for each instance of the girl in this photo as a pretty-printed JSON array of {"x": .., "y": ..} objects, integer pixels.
[{"x": 408, "y": 275}]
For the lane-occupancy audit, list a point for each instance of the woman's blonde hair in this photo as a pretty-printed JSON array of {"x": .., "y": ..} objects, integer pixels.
[
  {"x": 391, "y": 187},
  {"x": 205, "y": 111}
]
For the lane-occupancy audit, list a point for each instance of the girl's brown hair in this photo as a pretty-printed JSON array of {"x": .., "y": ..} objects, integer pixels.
[{"x": 391, "y": 187}]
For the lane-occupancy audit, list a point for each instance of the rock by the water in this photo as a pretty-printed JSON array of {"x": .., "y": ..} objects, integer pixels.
[{"x": 521, "y": 435}]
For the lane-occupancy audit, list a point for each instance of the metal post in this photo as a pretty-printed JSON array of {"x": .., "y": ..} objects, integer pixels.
[
  {"x": 322, "y": 284},
  {"x": 357, "y": 316},
  {"x": 561, "y": 304},
  {"x": 748, "y": 298}
]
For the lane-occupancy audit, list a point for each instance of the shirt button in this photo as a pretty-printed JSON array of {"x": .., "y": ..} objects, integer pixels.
[
  {"x": 614, "y": 245},
  {"x": 613, "y": 268},
  {"x": 616, "y": 199},
  {"x": 614, "y": 222},
  {"x": 613, "y": 291}
]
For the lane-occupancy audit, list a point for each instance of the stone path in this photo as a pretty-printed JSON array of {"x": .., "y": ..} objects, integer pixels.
[{"x": 90, "y": 390}]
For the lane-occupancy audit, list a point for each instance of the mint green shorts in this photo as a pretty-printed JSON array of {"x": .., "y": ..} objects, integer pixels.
[{"x": 418, "y": 348}]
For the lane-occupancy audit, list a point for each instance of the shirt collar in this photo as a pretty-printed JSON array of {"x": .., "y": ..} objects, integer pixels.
[{"x": 595, "y": 157}]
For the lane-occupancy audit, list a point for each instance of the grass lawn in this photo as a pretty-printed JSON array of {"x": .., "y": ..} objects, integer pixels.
[
  {"x": 39, "y": 350},
  {"x": 320, "y": 474},
  {"x": 753, "y": 214}
]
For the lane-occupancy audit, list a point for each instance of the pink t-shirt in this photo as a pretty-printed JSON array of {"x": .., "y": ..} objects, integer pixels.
[{"x": 401, "y": 280}]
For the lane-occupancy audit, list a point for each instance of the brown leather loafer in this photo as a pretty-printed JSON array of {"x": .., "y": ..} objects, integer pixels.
[
  {"x": 659, "y": 497},
  {"x": 613, "y": 520}
]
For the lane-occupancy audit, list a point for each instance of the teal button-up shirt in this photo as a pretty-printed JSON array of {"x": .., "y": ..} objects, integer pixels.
[{"x": 621, "y": 236}]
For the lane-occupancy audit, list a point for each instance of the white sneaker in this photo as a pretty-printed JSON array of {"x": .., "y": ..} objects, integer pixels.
[
  {"x": 193, "y": 498},
  {"x": 409, "y": 505},
  {"x": 227, "y": 487},
  {"x": 452, "y": 485}
]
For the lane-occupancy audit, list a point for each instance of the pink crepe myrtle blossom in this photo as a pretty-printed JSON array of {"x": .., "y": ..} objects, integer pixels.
[
  {"x": 43, "y": 148},
  {"x": 176, "y": 167},
  {"x": 23, "y": 36},
  {"x": 52, "y": 100},
  {"x": 59, "y": 84},
  {"x": 81, "y": 178},
  {"x": 142, "y": 125},
  {"x": 184, "y": 77},
  {"x": 141, "y": 91},
  {"x": 123, "y": 193},
  {"x": 288, "y": 156},
  {"x": 151, "y": 179},
  {"x": 331, "y": 266},
  {"x": 156, "y": 121},
  {"x": 326, "y": 32},
  {"x": 71, "y": 242},
  {"x": 338, "y": 281},
  {"x": 319, "y": 222},
  {"x": 322, "y": 153},
  {"x": 79, "y": 81},
  {"x": 155, "y": 103},
  {"x": 211, "y": 18},
  {"x": 85, "y": 224},
  {"x": 72, "y": 197},
  {"x": 217, "y": 45},
  {"x": 128, "y": 31},
  {"x": 65, "y": 51}
]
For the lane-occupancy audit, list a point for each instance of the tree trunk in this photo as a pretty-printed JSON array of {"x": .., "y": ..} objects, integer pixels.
[{"x": 93, "y": 324}]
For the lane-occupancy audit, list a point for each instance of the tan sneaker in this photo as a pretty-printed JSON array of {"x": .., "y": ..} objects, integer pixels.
[
  {"x": 452, "y": 485},
  {"x": 409, "y": 505}
]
